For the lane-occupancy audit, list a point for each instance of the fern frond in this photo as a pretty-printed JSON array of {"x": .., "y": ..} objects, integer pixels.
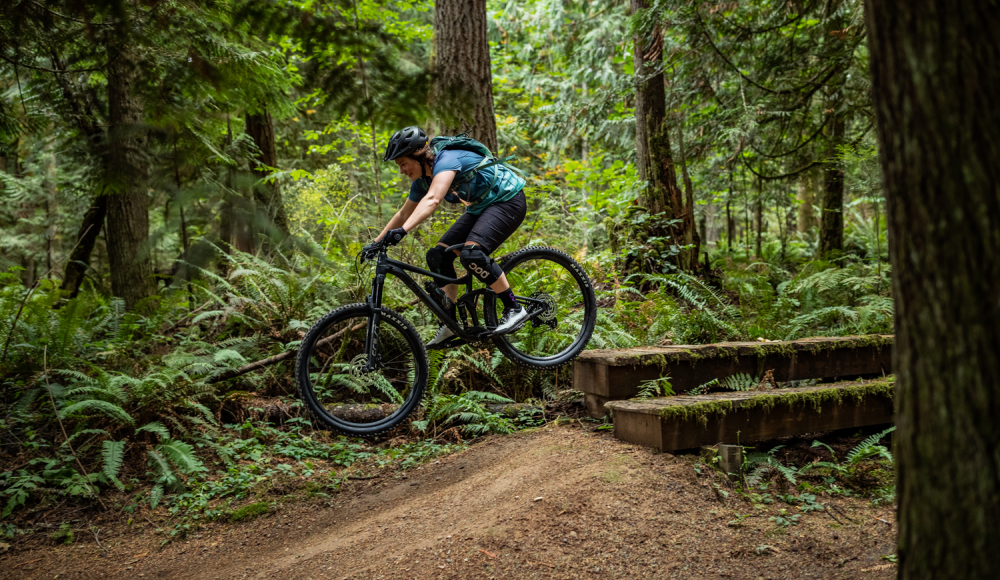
[{"x": 113, "y": 454}]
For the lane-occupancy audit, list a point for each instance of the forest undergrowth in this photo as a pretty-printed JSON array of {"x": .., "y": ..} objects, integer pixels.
[{"x": 130, "y": 411}]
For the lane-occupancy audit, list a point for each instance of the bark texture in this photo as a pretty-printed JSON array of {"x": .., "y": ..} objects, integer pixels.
[
  {"x": 806, "y": 218},
  {"x": 463, "y": 82},
  {"x": 126, "y": 175},
  {"x": 936, "y": 73},
  {"x": 652, "y": 140},
  {"x": 831, "y": 225},
  {"x": 79, "y": 258},
  {"x": 689, "y": 258},
  {"x": 80, "y": 109},
  {"x": 260, "y": 127}
]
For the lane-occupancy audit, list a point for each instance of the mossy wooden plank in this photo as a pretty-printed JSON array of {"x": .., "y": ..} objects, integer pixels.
[
  {"x": 617, "y": 374},
  {"x": 684, "y": 422}
]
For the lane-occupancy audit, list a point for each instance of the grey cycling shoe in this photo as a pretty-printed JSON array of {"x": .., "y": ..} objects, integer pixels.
[
  {"x": 443, "y": 334},
  {"x": 511, "y": 320}
]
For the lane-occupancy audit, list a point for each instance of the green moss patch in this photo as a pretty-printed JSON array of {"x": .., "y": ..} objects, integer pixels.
[
  {"x": 250, "y": 511},
  {"x": 815, "y": 398},
  {"x": 782, "y": 348}
]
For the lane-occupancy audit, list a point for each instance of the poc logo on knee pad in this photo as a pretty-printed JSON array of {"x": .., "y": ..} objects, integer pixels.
[
  {"x": 479, "y": 271},
  {"x": 477, "y": 261}
]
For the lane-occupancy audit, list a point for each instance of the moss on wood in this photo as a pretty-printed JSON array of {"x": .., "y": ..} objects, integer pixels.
[
  {"x": 817, "y": 398},
  {"x": 786, "y": 349}
]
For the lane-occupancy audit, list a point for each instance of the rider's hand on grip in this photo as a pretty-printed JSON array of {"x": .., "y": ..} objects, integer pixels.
[
  {"x": 371, "y": 250},
  {"x": 393, "y": 237}
]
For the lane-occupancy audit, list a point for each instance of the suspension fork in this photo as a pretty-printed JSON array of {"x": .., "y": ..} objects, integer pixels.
[{"x": 375, "y": 301}]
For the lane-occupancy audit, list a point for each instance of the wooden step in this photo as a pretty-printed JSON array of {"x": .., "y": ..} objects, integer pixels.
[
  {"x": 608, "y": 375},
  {"x": 684, "y": 422}
]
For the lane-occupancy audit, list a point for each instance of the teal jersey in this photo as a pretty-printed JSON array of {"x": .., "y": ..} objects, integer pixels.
[{"x": 478, "y": 191}]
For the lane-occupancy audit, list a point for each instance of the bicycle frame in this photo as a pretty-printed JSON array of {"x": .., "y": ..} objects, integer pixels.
[{"x": 387, "y": 266}]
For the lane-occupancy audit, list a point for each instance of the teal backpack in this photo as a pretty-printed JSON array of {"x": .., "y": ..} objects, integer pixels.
[{"x": 462, "y": 184}]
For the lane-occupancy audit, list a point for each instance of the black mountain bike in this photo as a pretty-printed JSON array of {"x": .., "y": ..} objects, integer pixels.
[{"x": 362, "y": 369}]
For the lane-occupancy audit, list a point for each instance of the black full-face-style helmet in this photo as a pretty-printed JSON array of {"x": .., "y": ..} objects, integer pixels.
[{"x": 406, "y": 141}]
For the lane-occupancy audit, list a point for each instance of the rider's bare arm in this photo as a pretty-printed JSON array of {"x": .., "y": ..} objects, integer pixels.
[
  {"x": 400, "y": 218},
  {"x": 429, "y": 204},
  {"x": 414, "y": 213}
]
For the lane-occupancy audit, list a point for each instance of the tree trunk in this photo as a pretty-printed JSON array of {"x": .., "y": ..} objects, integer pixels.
[
  {"x": 758, "y": 215},
  {"x": 79, "y": 258},
  {"x": 128, "y": 200},
  {"x": 730, "y": 220},
  {"x": 935, "y": 79},
  {"x": 689, "y": 258},
  {"x": 654, "y": 160},
  {"x": 806, "y": 218},
  {"x": 463, "y": 83},
  {"x": 268, "y": 195},
  {"x": 831, "y": 227},
  {"x": 80, "y": 109}
]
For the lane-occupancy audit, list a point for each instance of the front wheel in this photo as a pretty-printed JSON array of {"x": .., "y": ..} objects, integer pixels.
[
  {"x": 564, "y": 300},
  {"x": 350, "y": 394}
]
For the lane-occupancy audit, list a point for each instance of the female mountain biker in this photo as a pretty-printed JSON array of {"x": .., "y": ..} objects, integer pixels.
[{"x": 491, "y": 216}]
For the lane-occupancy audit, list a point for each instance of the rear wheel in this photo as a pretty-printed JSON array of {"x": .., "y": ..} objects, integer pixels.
[
  {"x": 563, "y": 298},
  {"x": 343, "y": 391}
]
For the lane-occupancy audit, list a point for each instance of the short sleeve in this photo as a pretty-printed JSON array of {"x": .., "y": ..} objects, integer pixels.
[
  {"x": 416, "y": 192},
  {"x": 448, "y": 161}
]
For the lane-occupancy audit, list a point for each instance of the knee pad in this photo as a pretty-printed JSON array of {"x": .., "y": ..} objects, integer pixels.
[
  {"x": 441, "y": 262},
  {"x": 480, "y": 264}
]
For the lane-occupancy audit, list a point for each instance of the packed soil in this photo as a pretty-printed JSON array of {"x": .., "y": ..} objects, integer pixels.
[{"x": 558, "y": 502}]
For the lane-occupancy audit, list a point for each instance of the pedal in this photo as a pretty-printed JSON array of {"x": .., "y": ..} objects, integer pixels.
[{"x": 479, "y": 332}]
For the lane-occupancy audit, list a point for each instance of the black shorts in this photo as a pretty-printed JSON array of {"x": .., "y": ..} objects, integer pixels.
[{"x": 490, "y": 228}]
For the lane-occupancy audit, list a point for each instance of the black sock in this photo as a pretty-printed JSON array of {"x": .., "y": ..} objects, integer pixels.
[{"x": 507, "y": 297}]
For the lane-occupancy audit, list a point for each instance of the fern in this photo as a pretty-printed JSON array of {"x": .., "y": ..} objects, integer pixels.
[
  {"x": 155, "y": 495},
  {"x": 763, "y": 463},
  {"x": 182, "y": 456},
  {"x": 155, "y": 427},
  {"x": 113, "y": 454},
  {"x": 103, "y": 407},
  {"x": 660, "y": 387},
  {"x": 739, "y": 382},
  {"x": 870, "y": 448}
]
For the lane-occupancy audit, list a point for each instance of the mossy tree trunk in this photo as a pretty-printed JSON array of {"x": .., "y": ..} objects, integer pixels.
[
  {"x": 463, "y": 82},
  {"x": 652, "y": 140},
  {"x": 935, "y": 79}
]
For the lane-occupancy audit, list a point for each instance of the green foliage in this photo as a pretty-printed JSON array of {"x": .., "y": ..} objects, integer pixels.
[
  {"x": 64, "y": 535},
  {"x": 113, "y": 454},
  {"x": 249, "y": 511},
  {"x": 466, "y": 409},
  {"x": 660, "y": 387}
]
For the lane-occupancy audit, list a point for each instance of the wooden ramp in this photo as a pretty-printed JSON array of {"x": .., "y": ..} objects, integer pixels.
[
  {"x": 684, "y": 422},
  {"x": 608, "y": 375}
]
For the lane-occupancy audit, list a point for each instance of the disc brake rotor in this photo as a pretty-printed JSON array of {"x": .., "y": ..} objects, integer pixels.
[{"x": 358, "y": 371}]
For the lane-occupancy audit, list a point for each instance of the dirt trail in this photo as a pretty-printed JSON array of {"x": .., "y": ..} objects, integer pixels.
[{"x": 561, "y": 502}]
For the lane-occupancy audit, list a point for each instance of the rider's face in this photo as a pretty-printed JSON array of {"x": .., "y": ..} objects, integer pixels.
[{"x": 409, "y": 167}]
